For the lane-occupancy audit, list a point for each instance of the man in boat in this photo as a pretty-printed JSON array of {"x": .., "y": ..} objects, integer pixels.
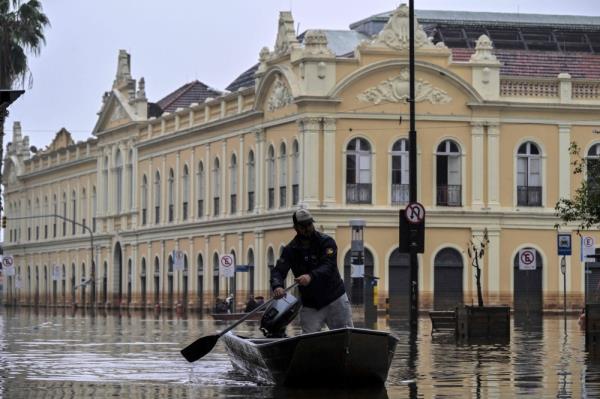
[{"x": 312, "y": 257}]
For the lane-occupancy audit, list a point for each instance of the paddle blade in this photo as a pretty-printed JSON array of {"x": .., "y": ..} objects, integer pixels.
[{"x": 199, "y": 348}]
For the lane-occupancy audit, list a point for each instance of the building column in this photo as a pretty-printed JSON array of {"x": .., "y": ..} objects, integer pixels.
[
  {"x": 493, "y": 166},
  {"x": 208, "y": 184},
  {"x": 260, "y": 266},
  {"x": 164, "y": 190},
  {"x": 192, "y": 199},
  {"x": 224, "y": 166},
  {"x": 241, "y": 195},
  {"x": 329, "y": 149},
  {"x": 564, "y": 161},
  {"x": 135, "y": 293},
  {"x": 260, "y": 181},
  {"x": 177, "y": 187},
  {"x": 476, "y": 165},
  {"x": 208, "y": 270},
  {"x": 241, "y": 282},
  {"x": 493, "y": 267},
  {"x": 309, "y": 130}
]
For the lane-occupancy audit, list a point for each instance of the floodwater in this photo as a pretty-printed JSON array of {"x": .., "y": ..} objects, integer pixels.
[{"x": 58, "y": 353}]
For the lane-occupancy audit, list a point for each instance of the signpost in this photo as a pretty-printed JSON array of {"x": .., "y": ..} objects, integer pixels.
[
  {"x": 226, "y": 265},
  {"x": 564, "y": 248},
  {"x": 178, "y": 262}
]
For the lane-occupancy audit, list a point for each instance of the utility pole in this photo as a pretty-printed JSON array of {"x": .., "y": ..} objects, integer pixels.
[{"x": 412, "y": 168}]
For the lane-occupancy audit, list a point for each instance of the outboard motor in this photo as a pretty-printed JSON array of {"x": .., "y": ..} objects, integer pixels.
[{"x": 278, "y": 315}]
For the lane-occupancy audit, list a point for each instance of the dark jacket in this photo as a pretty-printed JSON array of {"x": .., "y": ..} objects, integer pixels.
[{"x": 319, "y": 260}]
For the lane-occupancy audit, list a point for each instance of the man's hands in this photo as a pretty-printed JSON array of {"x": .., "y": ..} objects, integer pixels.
[
  {"x": 278, "y": 293},
  {"x": 303, "y": 280}
]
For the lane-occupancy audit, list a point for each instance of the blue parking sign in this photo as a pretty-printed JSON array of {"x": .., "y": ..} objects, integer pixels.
[{"x": 563, "y": 241}]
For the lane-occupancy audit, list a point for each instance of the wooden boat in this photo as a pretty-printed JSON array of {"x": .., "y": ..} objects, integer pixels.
[
  {"x": 236, "y": 316},
  {"x": 342, "y": 357}
]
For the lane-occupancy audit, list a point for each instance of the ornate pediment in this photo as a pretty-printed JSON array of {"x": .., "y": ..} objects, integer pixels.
[
  {"x": 280, "y": 96},
  {"x": 395, "y": 33},
  {"x": 396, "y": 89}
]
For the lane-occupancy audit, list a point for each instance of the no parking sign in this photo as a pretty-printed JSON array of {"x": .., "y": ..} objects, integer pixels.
[
  {"x": 527, "y": 259},
  {"x": 226, "y": 265}
]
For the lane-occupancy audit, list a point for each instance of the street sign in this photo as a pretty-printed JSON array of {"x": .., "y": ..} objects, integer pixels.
[
  {"x": 226, "y": 265},
  {"x": 414, "y": 213},
  {"x": 8, "y": 265},
  {"x": 242, "y": 268},
  {"x": 563, "y": 242},
  {"x": 527, "y": 259},
  {"x": 411, "y": 234},
  {"x": 358, "y": 271},
  {"x": 178, "y": 263},
  {"x": 587, "y": 247}
]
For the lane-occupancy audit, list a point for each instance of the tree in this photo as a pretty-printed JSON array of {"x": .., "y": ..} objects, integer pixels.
[
  {"x": 22, "y": 26},
  {"x": 584, "y": 207},
  {"x": 476, "y": 250}
]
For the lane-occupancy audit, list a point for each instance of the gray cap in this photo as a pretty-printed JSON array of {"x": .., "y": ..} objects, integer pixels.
[{"x": 302, "y": 216}]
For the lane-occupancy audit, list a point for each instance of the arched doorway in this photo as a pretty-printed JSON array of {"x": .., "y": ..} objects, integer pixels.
[
  {"x": 184, "y": 299},
  {"x": 170, "y": 282},
  {"x": 156, "y": 281},
  {"x": 54, "y": 287},
  {"x": 250, "y": 272},
  {"x": 83, "y": 286},
  {"x": 118, "y": 275},
  {"x": 129, "y": 282},
  {"x": 143, "y": 283},
  {"x": 233, "y": 284},
  {"x": 200, "y": 282},
  {"x": 37, "y": 285},
  {"x": 355, "y": 285},
  {"x": 527, "y": 286},
  {"x": 399, "y": 283},
  {"x": 46, "y": 289},
  {"x": 105, "y": 284},
  {"x": 447, "y": 279},
  {"x": 592, "y": 280},
  {"x": 73, "y": 282},
  {"x": 64, "y": 284},
  {"x": 215, "y": 275}
]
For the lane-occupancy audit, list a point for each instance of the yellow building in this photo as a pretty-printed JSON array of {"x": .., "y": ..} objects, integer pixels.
[{"x": 321, "y": 122}]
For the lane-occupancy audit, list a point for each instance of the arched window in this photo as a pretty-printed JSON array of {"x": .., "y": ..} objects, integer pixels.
[
  {"x": 529, "y": 175},
  {"x": 157, "y": 198},
  {"x": 144, "y": 200},
  {"x": 282, "y": 176},
  {"x": 593, "y": 172},
  {"x": 448, "y": 174},
  {"x": 94, "y": 208},
  {"x": 46, "y": 211},
  {"x": 55, "y": 211},
  {"x": 295, "y": 173},
  {"x": 143, "y": 279},
  {"x": 270, "y": 258},
  {"x": 201, "y": 189},
  {"x": 185, "y": 180},
  {"x": 64, "y": 213},
  {"x": 130, "y": 180},
  {"x": 216, "y": 181},
  {"x": 73, "y": 211},
  {"x": 400, "y": 182},
  {"x": 271, "y": 177},
  {"x": 156, "y": 280},
  {"x": 358, "y": 172},
  {"x": 36, "y": 213},
  {"x": 233, "y": 181},
  {"x": 251, "y": 180},
  {"x": 200, "y": 281},
  {"x": 171, "y": 195},
  {"x": 119, "y": 181},
  {"x": 105, "y": 184},
  {"x": 83, "y": 209}
]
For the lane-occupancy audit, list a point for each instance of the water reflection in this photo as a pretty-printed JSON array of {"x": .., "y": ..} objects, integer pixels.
[{"x": 62, "y": 353}]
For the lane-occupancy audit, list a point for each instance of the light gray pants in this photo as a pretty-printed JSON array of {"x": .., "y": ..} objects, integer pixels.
[{"x": 337, "y": 314}]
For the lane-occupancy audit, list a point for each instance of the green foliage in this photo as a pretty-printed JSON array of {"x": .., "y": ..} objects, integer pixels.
[
  {"x": 584, "y": 207},
  {"x": 22, "y": 26}
]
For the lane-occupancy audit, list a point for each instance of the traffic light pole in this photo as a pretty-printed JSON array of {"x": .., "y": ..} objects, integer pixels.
[
  {"x": 412, "y": 167},
  {"x": 86, "y": 228}
]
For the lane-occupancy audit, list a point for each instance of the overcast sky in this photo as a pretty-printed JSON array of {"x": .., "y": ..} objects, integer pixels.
[{"x": 176, "y": 41}]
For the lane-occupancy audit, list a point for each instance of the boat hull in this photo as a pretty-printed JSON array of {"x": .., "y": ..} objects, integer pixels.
[{"x": 343, "y": 357}]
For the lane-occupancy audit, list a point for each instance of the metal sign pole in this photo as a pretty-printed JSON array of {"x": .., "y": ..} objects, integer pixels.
[
  {"x": 563, "y": 269},
  {"x": 412, "y": 159}
]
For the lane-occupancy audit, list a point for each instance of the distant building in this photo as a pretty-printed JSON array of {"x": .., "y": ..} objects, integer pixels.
[{"x": 321, "y": 121}]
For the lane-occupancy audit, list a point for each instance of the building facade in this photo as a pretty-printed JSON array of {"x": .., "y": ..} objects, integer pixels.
[{"x": 321, "y": 122}]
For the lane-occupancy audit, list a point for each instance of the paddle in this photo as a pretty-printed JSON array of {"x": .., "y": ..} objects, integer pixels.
[{"x": 200, "y": 347}]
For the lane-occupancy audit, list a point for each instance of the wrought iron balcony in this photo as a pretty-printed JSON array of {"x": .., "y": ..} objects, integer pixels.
[
  {"x": 359, "y": 193},
  {"x": 400, "y": 193}
]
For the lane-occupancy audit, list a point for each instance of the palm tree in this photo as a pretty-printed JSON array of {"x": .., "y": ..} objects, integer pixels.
[{"x": 22, "y": 26}]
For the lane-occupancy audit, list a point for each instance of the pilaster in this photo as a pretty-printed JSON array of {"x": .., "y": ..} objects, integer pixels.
[
  {"x": 476, "y": 165},
  {"x": 564, "y": 164},
  {"x": 493, "y": 167},
  {"x": 260, "y": 181},
  {"x": 309, "y": 130},
  {"x": 329, "y": 149}
]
